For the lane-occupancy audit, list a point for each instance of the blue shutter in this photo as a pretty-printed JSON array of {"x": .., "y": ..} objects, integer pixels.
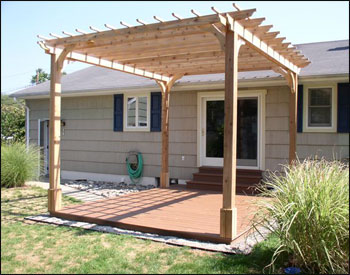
[
  {"x": 156, "y": 112},
  {"x": 300, "y": 109},
  {"x": 343, "y": 108},
  {"x": 118, "y": 112}
]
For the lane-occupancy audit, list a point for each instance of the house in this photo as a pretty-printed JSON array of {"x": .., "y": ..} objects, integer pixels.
[{"x": 107, "y": 113}]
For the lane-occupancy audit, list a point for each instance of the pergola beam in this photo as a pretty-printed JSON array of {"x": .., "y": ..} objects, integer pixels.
[
  {"x": 108, "y": 64},
  {"x": 190, "y": 56},
  {"x": 162, "y": 43},
  {"x": 167, "y": 51},
  {"x": 195, "y": 62},
  {"x": 149, "y": 37},
  {"x": 257, "y": 44},
  {"x": 187, "y": 22}
]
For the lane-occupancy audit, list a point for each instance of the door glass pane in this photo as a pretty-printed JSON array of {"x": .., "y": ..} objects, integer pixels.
[
  {"x": 247, "y": 130},
  {"x": 131, "y": 115},
  {"x": 215, "y": 129},
  {"x": 142, "y": 111}
]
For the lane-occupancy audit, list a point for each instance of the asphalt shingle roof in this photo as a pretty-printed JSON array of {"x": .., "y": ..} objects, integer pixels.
[{"x": 327, "y": 58}]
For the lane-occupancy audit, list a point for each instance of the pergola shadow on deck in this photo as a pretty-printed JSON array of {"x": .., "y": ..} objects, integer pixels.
[
  {"x": 223, "y": 42},
  {"x": 174, "y": 211}
]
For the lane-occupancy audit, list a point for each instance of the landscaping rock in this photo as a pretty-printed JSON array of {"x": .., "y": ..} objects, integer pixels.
[{"x": 107, "y": 189}]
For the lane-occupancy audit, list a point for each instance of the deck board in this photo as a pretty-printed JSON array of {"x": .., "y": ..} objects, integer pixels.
[{"x": 175, "y": 211}]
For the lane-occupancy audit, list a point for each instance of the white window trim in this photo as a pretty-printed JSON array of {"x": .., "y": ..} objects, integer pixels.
[
  {"x": 127, "y": 128},
  {"x": 320, "y": 129}
]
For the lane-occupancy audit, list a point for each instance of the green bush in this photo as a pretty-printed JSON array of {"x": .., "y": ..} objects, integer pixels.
[
  {"x": 308, "y": 210},
  {"x": 12, "y": 119},
  {"x": 18, "y": 164}
]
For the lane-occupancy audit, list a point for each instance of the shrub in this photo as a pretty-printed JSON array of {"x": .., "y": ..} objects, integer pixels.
[
  {"x": 18, "y": 164},
  {"x": 309, "y": 212},
  {"x": 12, "y": 120}
]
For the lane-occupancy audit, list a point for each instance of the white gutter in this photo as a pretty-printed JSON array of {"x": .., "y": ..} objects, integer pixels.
[
  {"x": 202, "y": 85},
  {"x": 27, "y": 121}
]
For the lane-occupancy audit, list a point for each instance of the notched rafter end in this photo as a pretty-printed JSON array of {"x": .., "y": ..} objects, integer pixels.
[{"x": 43, "y": 46}]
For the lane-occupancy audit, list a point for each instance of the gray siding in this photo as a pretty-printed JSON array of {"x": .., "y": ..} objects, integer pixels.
[
  {"x": 89, "y": 143},
  {"x": 328, "y": 145}
]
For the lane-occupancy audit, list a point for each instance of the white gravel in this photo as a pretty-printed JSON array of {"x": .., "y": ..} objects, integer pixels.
[{"x": 106, "y": 189}]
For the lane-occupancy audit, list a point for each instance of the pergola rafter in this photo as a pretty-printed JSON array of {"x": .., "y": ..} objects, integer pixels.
[{"x": 223, "y": 42}]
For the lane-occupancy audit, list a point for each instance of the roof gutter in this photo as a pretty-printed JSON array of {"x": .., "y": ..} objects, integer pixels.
[{"x": 191, "y": 86}]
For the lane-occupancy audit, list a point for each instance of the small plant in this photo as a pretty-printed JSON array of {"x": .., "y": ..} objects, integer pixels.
[
  {"x": 18, "y": 164},
  {"x": 308, "y": 210}
]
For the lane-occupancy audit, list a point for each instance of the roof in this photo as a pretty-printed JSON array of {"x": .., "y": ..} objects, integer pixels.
[{"x": 327, "y": 58}]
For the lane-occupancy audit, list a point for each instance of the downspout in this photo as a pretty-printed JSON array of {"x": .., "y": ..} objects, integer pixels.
[{"x": 27, "y": 121}]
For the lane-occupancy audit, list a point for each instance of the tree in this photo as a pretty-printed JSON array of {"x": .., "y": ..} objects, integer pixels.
[
  {"x": 12, "y": 119},
  {"x": 40, "y": 76}
]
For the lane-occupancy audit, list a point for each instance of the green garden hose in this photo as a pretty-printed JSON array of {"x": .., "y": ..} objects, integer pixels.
[{"x": 135, "y": 169}]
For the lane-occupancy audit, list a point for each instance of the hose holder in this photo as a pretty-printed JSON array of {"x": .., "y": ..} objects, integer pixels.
[{"x": 134, "y": 165}]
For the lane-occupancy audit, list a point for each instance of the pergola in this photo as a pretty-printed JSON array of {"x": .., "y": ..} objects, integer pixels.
[{"x": 223, "y": 42}]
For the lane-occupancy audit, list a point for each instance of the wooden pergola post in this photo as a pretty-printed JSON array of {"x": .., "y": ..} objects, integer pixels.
[
  {"x": 228, "y": 213},
  {"x": 293, "y": 104},
  {"x": 165, "y": 89},
  {"x": 55, "y": 192},
  {"x": 292, "y": 81}
]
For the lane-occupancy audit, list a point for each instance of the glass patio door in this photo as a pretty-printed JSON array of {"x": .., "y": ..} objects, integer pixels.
[{"x": 247, "y": 132}]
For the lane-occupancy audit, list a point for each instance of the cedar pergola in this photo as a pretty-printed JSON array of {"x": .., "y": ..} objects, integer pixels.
[{"x": 222, "y": 42}]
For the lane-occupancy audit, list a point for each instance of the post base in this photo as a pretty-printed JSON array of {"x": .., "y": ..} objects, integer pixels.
[
  {"x": 164, "y": 180},
  {"x": 54, "y": 200},
  {"x": 228, "y": 223}
]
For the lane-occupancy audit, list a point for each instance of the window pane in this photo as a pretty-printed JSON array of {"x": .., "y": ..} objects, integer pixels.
[
  {"x": 319, "y": 116},
  {"x": 131, "y": 115},
  {"x": 142, "y": 112},
  {"x": 320, "y": 96}
]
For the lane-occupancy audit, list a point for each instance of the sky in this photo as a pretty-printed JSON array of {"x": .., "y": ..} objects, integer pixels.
[{"x": 21, "y": 21}]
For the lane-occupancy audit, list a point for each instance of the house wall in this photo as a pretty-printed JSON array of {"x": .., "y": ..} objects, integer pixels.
[
  {"x": 328, "y": 145},
  {"x": 89, "y": 143}
]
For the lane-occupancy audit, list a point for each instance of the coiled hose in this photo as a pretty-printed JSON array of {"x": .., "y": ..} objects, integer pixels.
[{"x": 135, "y": 169}]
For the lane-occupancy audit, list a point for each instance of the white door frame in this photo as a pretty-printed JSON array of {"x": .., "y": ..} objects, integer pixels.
[
  {"x": 203, "y": 97},
  {"x": 45, "y": 141}
]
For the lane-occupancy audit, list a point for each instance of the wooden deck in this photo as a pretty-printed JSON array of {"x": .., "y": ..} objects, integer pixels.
[{"x": 175, "y": 211}]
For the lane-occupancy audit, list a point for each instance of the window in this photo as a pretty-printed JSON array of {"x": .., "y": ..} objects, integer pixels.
[
  {"x": 320, "y": 112},
  {"x": 137, "y": 112},
  {"x": 320, "y": 107}
]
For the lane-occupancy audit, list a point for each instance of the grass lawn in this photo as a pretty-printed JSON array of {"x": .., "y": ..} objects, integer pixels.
[{"x": 28, "y": 247}]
